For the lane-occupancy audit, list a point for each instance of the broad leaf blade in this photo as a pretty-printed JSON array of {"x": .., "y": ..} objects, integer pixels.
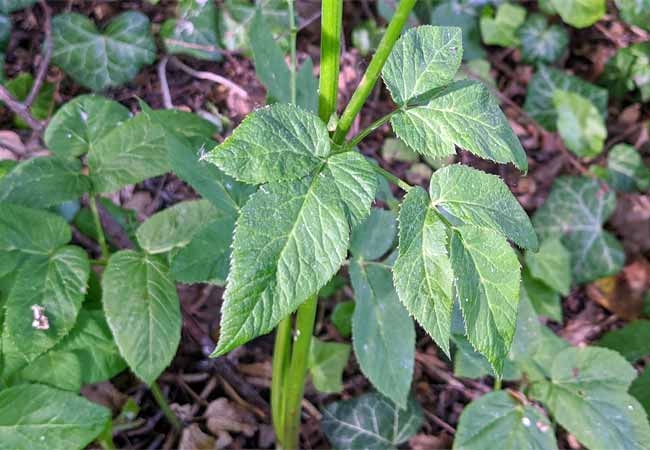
[
  {"x": 422, "y": 273},
  {"x": 195, "y": 30},
  {"x": 541, "y": 42},
  {"x": 463, "y": 114},
  {"x": 579, "y": 123},
  {"x": 631, "y": 341},
  {"x": 580, "y": 13},
  {"x": 373, "y": 237},
  {"x": 551, "y": 264},
  {"x": 326, "y": 363},
  {"x": 143, "y": 311},
  {"x": 45, "y": 233},
  {"x": 383, "y": 333}
]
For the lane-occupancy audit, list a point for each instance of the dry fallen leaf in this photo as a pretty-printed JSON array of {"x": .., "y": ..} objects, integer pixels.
[
  {"x": 614, "y": 294},
  {"x": 224, "y": 415},
  {"x": 195, "y": 439},
  {"x": 430, "y": 442}
]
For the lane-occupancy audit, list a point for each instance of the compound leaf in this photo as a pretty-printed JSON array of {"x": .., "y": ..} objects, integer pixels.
[
  {"x": 142, "y": 310},
  {"x": 477, "y": 198},
  {"x": 98, "y": 60},
  {"x": 423, "y": 59},
  {"x": 422, "y": 273},
  {"x": 371, "y": 422},
  {"x": 463, "y": 114}
]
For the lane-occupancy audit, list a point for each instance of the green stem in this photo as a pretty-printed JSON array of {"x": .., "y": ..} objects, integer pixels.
[
  {"x": 292, "y": 45},
  {"x": 295, "y": 379},
  {"x": 497, "y": 384},
  {"x": 164, "y": 406},
  {"x": 403, "y": 185},
  {"x": 330, "y": 52},
  {"x": 281, "y": 361},
  {"x": 98, "y": 226},
  {"x": 372, "y": 127},
  {"x": 369, "y": 79}
]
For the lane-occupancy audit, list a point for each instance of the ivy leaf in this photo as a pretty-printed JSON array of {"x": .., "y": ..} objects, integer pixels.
[
  {"x": 278, "y": 257},
  {"x": 81, "y": 122},
  {"x": 452, "y": 13},
  {"x": 487, "y": 286},
  {"x": 44, "y": 181},
  {"x": 626, "y": 170},
  {"x": 477, "y": 198},
  {"x": 143, "y": 311},
  {"x": 326, "y": 363},
  {"x": 372, "y": 238},
  {"x": 587, "y": 395},
  {"x": 43, "y": 104},
  {"x": 370, "y": 422},
  {"x": 552, "y": 265},
  {"x": 205, "y": 259},
  {"x": 382, "y": 331},
  {"x": 575, "y": 211},
  {"x": 422, "y": 273},
  {"x": 580, "y": 125},
  {"x": 130, "y": 153},
  {"x": 194, "y": 31},
  {"x": 541, "y": 42},
  {"x": 501, "y": 28},
  {"x": 580, "y": 13},
  {"x": 275, "y": 143},
  {"x": 342, "y": 317},
  {"x": 463, "y": 114},
  {"x": 631, "y": 341},
  {"x": 58, "y": 284},
  {"x": 423, "y": 59},
  {"x": 539, "y": 97},
  {"x": 99, "y": 60},
  {"x": 176, "y": 226},
  {"x": 499, "y": 420},
  {"x": 32, "y": 413},
  {"x": 237, "y": 17},
  {"x": 635, "y": 12}
]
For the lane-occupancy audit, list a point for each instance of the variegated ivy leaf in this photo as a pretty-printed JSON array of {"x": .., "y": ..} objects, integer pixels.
[
  {"x": 487, "y": 286},
  {"x": 575, "y": 211},
  {"x": 370, "y": 422},
  {"x": 275, "y": 143},
  {"x": 541, "y": 42},
  {"x": 463, "y": 114},
  {"x": 195, "y": 30},
  {"x": 500, "y": 420},
  {"x": 626, "y": 170},
  {"x": 477, "y": 198},
  {"x": 422, "y": 273},
  {"x": 102, "y": 59},
  {"x": 423, "y": 59}
]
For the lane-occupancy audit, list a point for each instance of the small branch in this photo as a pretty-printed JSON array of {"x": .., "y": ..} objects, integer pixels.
[
  {"x": 98, "y": 225},
  {"x": 47, "y": 56},
  {"x": 164, "y": 86},
  {"x": 20, "y": 110},
  {"x": 210, "y": 77},
  {"x": 372, "y": 127},
  {"x": 164, "y": 406}
]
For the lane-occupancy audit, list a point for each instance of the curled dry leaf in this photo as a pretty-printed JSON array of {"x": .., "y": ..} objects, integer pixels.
[
  {"x": 195, "y": 439},
  {"x": 617, "y": 295},
  {"x": 224, "y": 415}
]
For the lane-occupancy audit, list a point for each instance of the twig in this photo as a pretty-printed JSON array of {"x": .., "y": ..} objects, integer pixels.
[
  {"x": 164, "y": 86},
  {"x": 47, "y": 56},
  {"x": 441, "y": 423},
  {"x": 211, "y": 77},
  {"x": 20, "y": 110},
  {"x": 12, "y": 148}
]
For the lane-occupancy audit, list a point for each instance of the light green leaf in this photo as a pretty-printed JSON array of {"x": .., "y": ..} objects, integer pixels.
[
  {"x": 279, "y": 257},
  {"x": 206, "y": 257},
  {"x": 463, "y": 114},
  {"x": 81, "y": 122},
  {"x": 477, "y": 198},
  {"x": 342, "y": 317},
  {"x": 372, "y": 238},
  {"x": 176, "y": 226},
  {"x": 382, "y": 332},
  {"x": 580, "y": 13},
  {"x": 499, "y": 420},
  {"x": 56, "y": 283},
  {"x": 468, "y": 363},
  {"x": 464, "y": 15},
  {"x": 194, "y": 31},
  {"x": 631, "y": 341},
  {"x": 143, "y": 311},
  {"x": 551, "y": 264},
  {"x": 20, "y": 86},
  {"x": 44, "y": 181},
  {"x": 370, "y": 422},
  {"x": 131, "y": 153},
  {"x": 99, "y": 60},
  {"x": 422, "y": 273},
  {"x": 61, "y": 370},
  {"x": 575, "y": 211},
  {"x": 396, "y": 150},
  {"x": 626, "y": 170},
  {"x": 9, "y": 6},
  {"x": 37, "y": 416},
  {"x": 635, "y": 12},
  {"x": 275, "y": 143},
  {"x": 541, "y": 42},
  {"x": 487, "y": 286},
  {"x": 587, "y": 395},
  {"x": 423, "y": 59},
  {"x": 501, "y": 28},
  {"x": 45, "y": 233},
  {"x": 326, "y": 363},
  {"x": 544, "y": 299},
  {"x": 580, "y": 125},
  {"x": 539, "y": 97}
]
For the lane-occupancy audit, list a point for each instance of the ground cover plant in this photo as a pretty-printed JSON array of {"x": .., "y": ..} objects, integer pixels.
[{"x": 442, "y": 245}]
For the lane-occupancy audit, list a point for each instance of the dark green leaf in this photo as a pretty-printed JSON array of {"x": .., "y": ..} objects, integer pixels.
[
  {"x": 541, "y": 42},
  {"x": 194, "y": 31},
  {"x": 372, "y": 238},
  {"x": 631, "y": 341},
  {"x": 43, "y": 104},
  {"x": 342, "y": 317},
  {"x": 626, "y": 170},
  {"x": 544, "y": 299},
  {"x": 640, "y": 389},
  {"x": 551, "y": 264},
  {"x": 462, "y": 14}
]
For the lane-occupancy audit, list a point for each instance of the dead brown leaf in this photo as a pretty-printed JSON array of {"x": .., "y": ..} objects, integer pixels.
[
  {"x": 614, "y": 294},
  {"x": 430, "y": 442},
  {"x": 195, "y": 439},
  {"x": 224, "y": 415}
]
